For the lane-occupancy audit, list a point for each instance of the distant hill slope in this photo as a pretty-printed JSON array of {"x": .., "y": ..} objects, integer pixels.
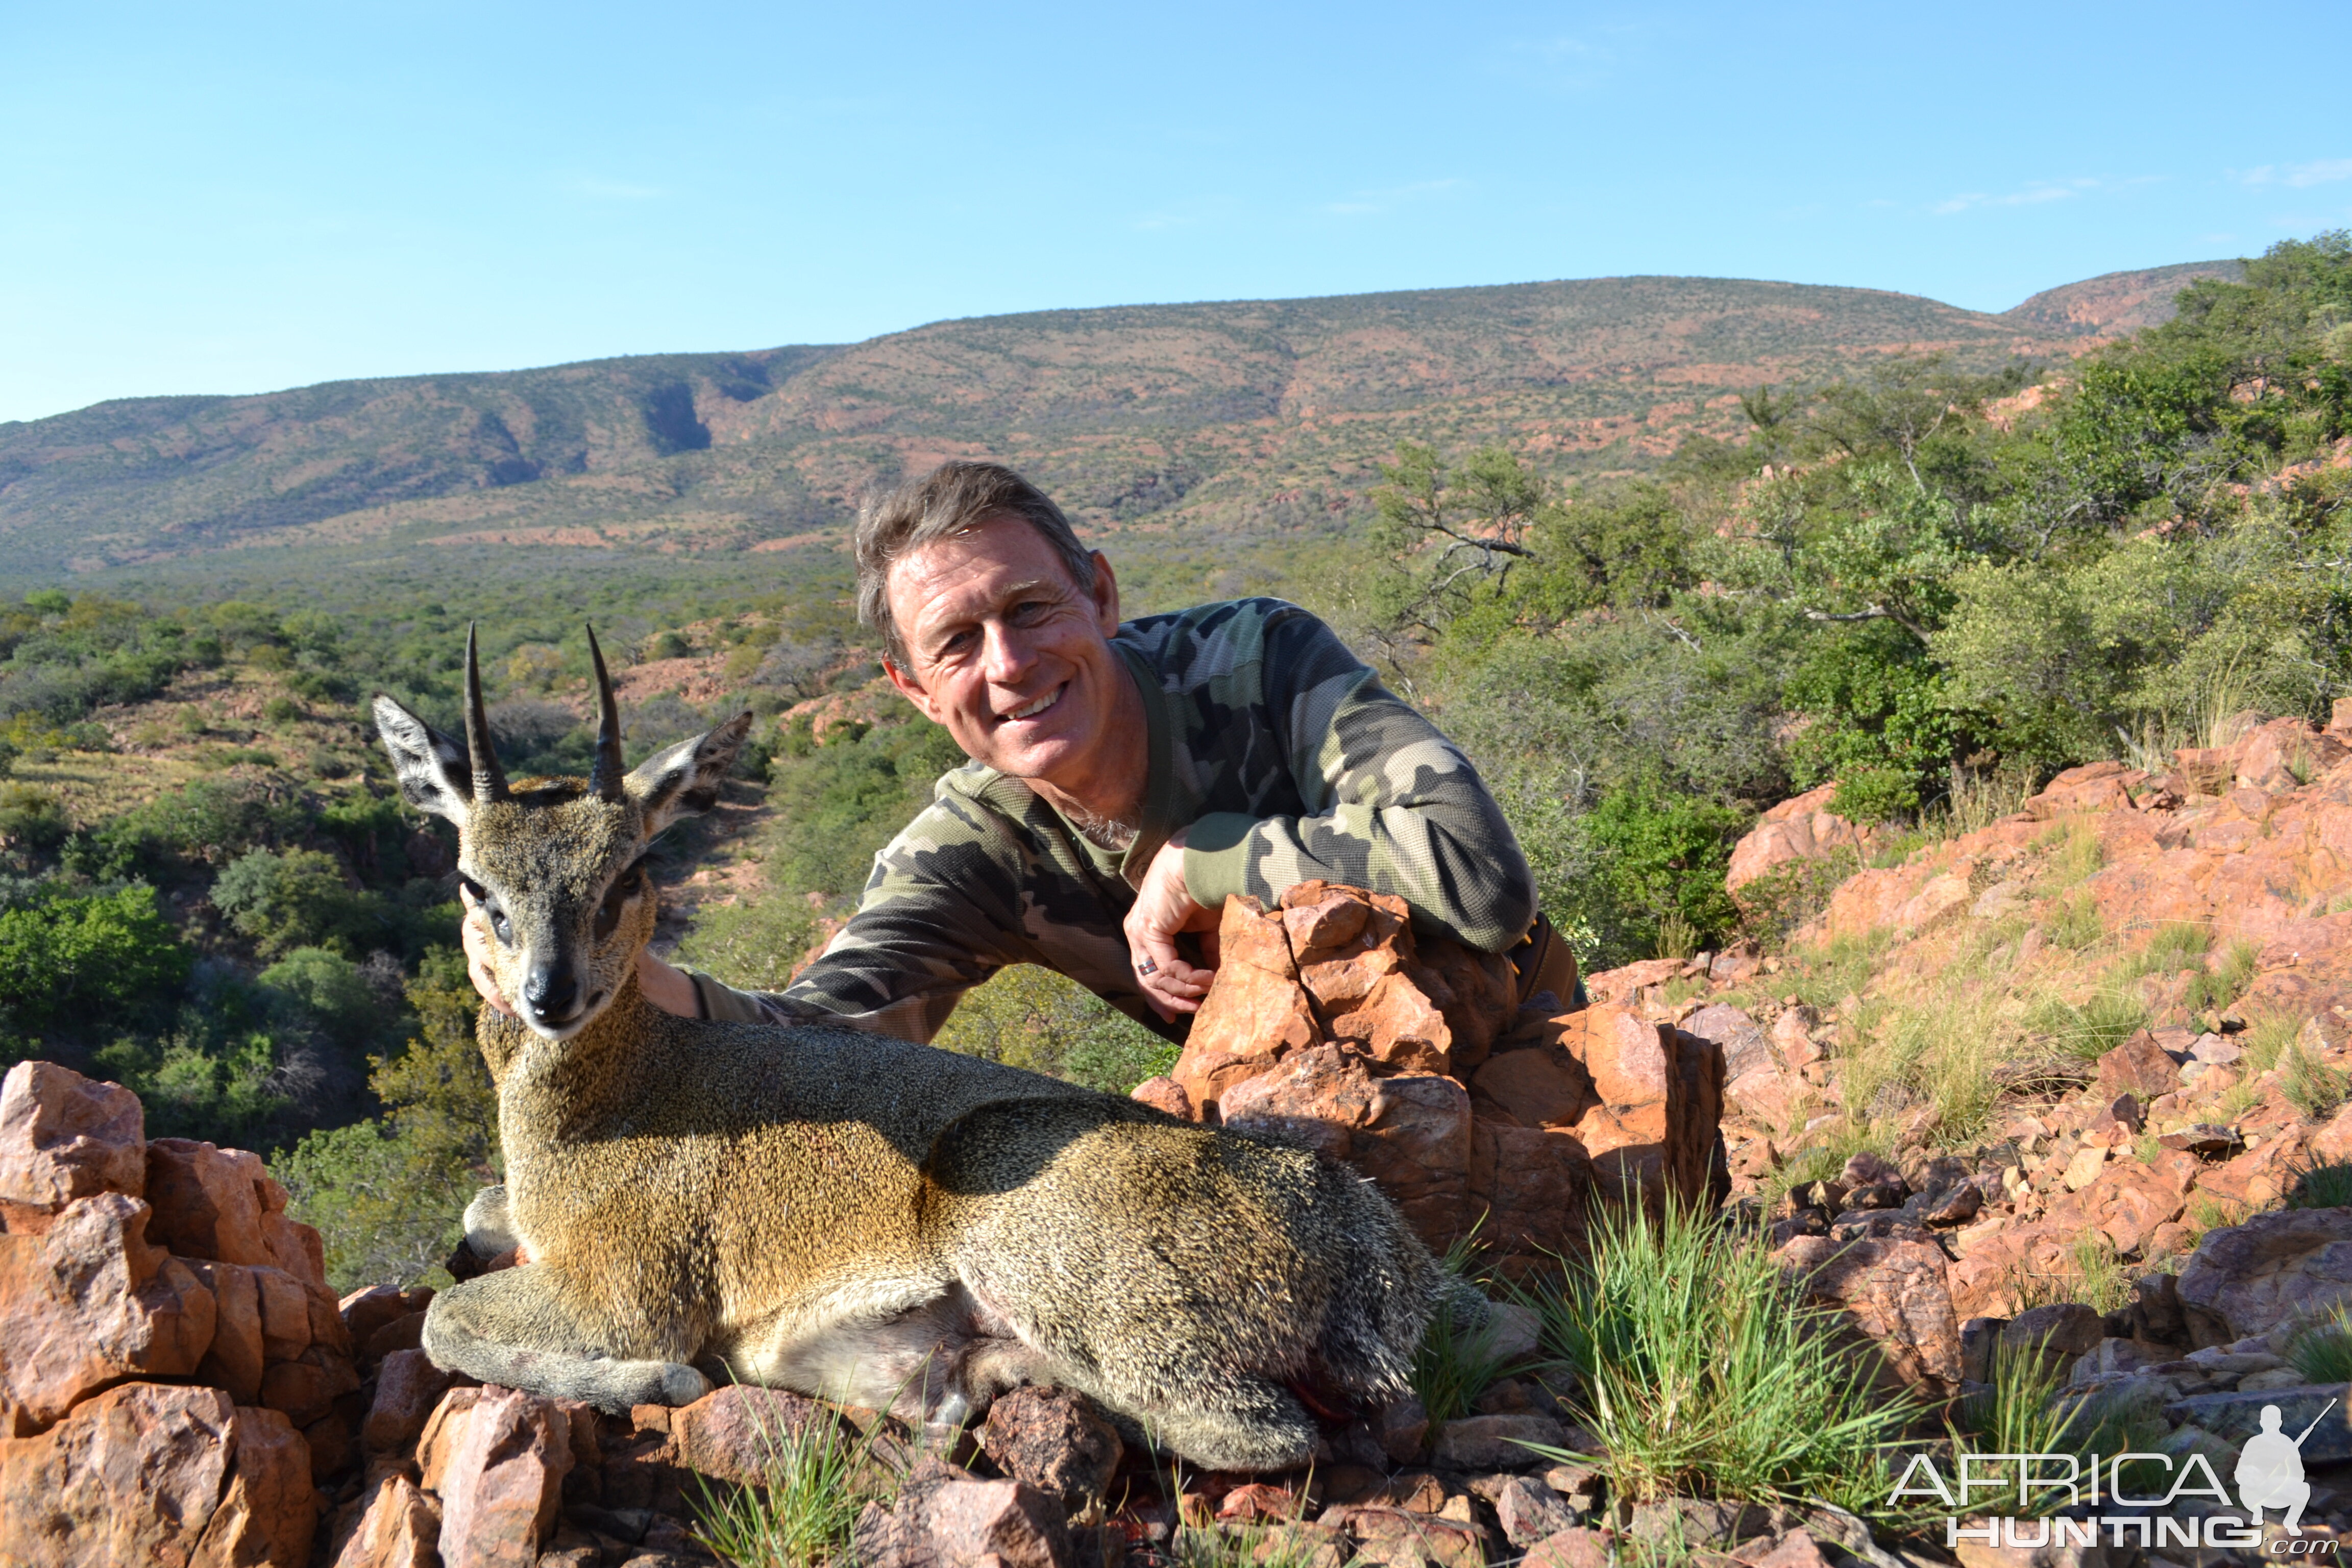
[
  {"x": 2117, "y": 302},
  {"x": 1227, "y": 416}
]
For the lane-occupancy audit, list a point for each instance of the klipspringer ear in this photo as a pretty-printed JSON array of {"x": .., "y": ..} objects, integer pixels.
[
  {"x": 684, "y": 779},
  {"x": 435, "y": 773}
]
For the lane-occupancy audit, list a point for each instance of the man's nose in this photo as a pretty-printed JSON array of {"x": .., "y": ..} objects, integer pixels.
[{"x": 1008, "y": 656}]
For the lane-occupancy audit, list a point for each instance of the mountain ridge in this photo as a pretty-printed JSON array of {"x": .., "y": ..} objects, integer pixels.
[{"x": 1227, "y": 414}]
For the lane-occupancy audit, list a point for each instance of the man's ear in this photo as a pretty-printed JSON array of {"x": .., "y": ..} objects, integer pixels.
[
  {"x": 434, "y": 771},
  {"x": 1106, "y": 595},
  {"x": 911, "y": 691},
  {"x": 683, "y": 781}
]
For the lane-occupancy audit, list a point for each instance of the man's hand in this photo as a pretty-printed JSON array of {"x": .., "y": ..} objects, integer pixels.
[
  {"x": 671, "y": 990},
  {"x": 474, "y": 932},
  {"x": 1163, "y": 906}
]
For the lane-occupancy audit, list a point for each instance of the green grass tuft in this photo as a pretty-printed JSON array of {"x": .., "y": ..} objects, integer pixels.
[
  {"x": 2323, "y": 1353},
  {"x": 818, "y": 1479},
  {"x": 2322, "y": 1184},
  {"x": 1701, "y": 1369},
  {"x": 2316, "y": 1088},
  {"x": 2075, "y": 922}
]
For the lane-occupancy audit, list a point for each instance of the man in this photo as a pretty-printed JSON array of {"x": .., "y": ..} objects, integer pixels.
[{"x": 1124, "y": 778}]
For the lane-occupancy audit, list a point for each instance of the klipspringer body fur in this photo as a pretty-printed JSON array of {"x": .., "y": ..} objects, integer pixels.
[{"x": 848, "y": 1214}]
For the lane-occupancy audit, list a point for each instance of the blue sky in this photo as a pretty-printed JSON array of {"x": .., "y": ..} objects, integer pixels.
[{"x": 233, "y": 198}]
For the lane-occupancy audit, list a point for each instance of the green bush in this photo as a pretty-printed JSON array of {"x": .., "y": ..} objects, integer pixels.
[
  {"x": 31, "y": 816},
  {"x": 1664, "y": 853},
  {"x": 755, "y": 945},
  {"x": 85, "y": 963},
  {"x": 388, "y": 1195},
  {"x": 1025, "y": 1016}
]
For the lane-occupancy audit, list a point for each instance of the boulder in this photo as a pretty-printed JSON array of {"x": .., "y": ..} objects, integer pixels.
[
  {"x": 207, "y": 1201},
  {"x": 1799, "y": 829},
  {"x": 2139, "y": 1068},
  {"x": 946, "y": 1518},
  {"x": 63, "y": 1137},
  {"x": 365, "y": 1313},
  {"x": 1893, "y": 1292},
  {"x": 1575, "y": 1548},
  {"x": 738, "y": 1433},
  {"x": 147, "y": 1473},
  {"x": 1057, "y": 1441},
  {"x": 504, "y": 1480},
  {"x": 2245, "y": 1280},
  {"x": 1529, "y": 1512},
  {"x": 1495, "y": 1442},
  {"x": 400, "y": 1527},
  {"x": 88, "y": 1300},
  {"x": 239, "y": 1353},
  {"x": 408, "y": 1387}
]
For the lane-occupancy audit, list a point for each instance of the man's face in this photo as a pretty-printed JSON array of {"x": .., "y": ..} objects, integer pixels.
[{"x": 1009, "y": 654}]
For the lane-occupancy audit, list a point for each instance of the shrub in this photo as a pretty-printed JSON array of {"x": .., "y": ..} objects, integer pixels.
[
  {"x": 31, "y": 816},
  {"x": 87, "y": 963},
  {"x": 388, "y": 1196},
  {"x": 283, "y": 901},
  {"x": 757, "y": 944},
  {"x": 1025, "y": 1016}
]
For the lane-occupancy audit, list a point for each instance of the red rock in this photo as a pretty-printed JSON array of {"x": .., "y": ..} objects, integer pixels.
[
  {"x": 63, "y": 1137},
  {"x": 400, "y": 1334},
  {"x": 1894, "y": 1292},
  {"x": 2247, "y": 1279},
  {"x": 1402, "y": 1429},
  {"x": 1055, "y": 1440},
  {"x": 1255, "y": 1012},
  {"x": 408, "y": 1387},
  {"x": 307, "y": 1389},
  {"x": 1163, "y": 1094},
  {"x": 1494, "y": 1442},
  {"x": 1316, "y": 1098},
  {"x": 1794, "y": 1550},
  {"x": 1800, "y": 829},
  {"x": 400, "y": 1528},
  {"x": 1396, "y": 1023},
  {"x": 1570, "y": 1549},
  {"x": 1477, "y": 992},
  {"x": 1530, "y": 1513},
  {"x": 945, "y": 1518},
  {"x": 91, "y": 1302},
  {"x": 365, "y": 1311},
  {"x": 1624, "y": 985},
  {"x": 207, "y": 1201},
  {"x": 2139, "y": 1066},
  {"x": 1416, "y": 1147},
  {"x": 738, "y": 1433},
  {"x": 1540, "y": 1087},
  {"x": 146, "y": 1473},
  {"x": 503, "y": 1481},
  {"x": 445, "y": 1429},
  {"x": 285, "y": 1313},
  {"x": 237, "y": 1357},
  {"x": 1261, "y": 1502},
  {"x": 1405, "y": 1538},
  {"x": 1533, "y": 1185}
]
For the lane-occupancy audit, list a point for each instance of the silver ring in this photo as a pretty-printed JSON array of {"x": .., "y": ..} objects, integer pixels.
[{"x": 1147, "y": 967}]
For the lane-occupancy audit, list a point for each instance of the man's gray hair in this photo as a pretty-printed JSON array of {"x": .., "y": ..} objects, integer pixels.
[{"x": 954, "y": 497}]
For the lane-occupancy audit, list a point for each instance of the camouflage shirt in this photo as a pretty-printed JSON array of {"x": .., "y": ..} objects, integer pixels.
[{"x": 1278, "y": 748}]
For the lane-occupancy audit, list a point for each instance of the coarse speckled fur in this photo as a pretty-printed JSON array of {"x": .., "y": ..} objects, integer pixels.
[{"x": 851, "y": 1214}]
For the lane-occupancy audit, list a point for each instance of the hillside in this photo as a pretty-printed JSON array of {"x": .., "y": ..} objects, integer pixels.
[{"x": 1228, "y": 415}]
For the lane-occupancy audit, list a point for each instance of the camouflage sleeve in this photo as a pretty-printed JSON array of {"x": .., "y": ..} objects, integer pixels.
[
  {"x": 938, "y": 916},
  {"x": 1391, "y": 805}
]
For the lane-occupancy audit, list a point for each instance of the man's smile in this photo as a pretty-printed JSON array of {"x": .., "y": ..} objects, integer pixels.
[{"x": 1037, "y": 708}]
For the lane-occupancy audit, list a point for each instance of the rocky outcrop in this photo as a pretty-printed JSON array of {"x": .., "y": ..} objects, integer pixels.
[
  {"x": 173, "y": 1374},
  {"x": 1799, "y": 831},
  {"x": 1334, "y": 1024}
]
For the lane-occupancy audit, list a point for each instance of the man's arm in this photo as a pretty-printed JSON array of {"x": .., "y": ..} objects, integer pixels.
[
  {"x": 938, "y": 917},
  {"x": 1393, "y": 804}
]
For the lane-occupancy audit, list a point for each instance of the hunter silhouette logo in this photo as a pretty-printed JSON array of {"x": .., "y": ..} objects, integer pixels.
[{"x": 2270, "y": 1469}]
